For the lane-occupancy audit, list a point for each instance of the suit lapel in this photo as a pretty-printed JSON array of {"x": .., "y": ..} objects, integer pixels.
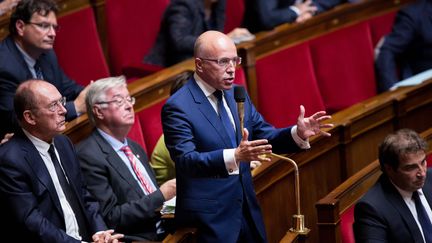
[
  {"x": 19, "y": 57},
  {"x": 116, "y": 162},
  {"x": 209, "y": 113},
  {"x": 34, "y": 160},
  {"x": 396, "y": 200}
]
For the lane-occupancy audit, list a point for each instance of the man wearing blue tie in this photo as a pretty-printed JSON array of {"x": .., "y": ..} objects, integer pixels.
[
  {"x": 397, "y": 208},
  {"x": 212, "y": 155}
]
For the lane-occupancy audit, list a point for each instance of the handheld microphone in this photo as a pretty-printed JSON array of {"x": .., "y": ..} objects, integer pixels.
[{"x": 240, "y": 96}]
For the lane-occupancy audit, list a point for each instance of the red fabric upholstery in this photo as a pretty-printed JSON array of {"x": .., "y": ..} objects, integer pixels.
[
  {"x": 240, "y": 77},
  {"x": 233, "y": 14},
  {"x": 429, "y": 160},
  {"x": 136, "y": 134},
  {"x": 381, "y": 26},
  {"x": 346, "y": 224},
  {"x": 344, "y": 66},
  {"x": 132, "y": 28},
  {"x": 285, "y": 80},
  {"x": 151, "y": 124},
  {"x": 78, "y": 47}
]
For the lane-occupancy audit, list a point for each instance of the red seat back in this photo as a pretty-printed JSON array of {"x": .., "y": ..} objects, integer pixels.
[
  {"x": 151, "y": 124},
  {"x": 285, "y": 80},
  {"x": 78, "y": 47},
  {"x": 344, "y": 66},
  {"x": 132, "y": 28},
  {"x": 346, "y": 223},
  {"x": 136, "y": 134},
  {"x": 429, "y": 160},
  {"x": 240, "y": 77},
  {"x": 233, "y": 14}
]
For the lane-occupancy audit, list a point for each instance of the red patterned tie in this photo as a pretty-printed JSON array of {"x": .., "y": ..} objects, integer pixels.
[{"x": 131, "y": 157}]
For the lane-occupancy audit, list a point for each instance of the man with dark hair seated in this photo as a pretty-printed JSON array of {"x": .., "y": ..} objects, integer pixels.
[
  {"x": 398, "y": 207},
  {"x": 27, "y": 53}
]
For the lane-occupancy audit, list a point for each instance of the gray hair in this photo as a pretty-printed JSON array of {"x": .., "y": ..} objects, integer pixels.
[{"x": 97, "y": 93}]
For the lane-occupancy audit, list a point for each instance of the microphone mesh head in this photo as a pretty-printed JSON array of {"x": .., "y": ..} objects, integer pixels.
[{"x": 239, "y": 93}]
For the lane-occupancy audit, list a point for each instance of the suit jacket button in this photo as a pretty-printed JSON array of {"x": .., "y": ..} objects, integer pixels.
[{"x": 230, "y": 170}]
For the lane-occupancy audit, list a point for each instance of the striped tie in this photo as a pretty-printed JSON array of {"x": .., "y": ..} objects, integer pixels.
[{"x": 146, "y": 185}]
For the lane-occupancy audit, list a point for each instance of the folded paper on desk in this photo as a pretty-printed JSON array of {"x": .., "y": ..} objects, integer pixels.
[
  {"x": 415, "y": 80},
  {"x": 169, "y": 206}
]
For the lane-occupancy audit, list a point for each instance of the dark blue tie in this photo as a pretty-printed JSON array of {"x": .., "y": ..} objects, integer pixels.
[
  {"x": 423, "y": 218},
  {"x": 69, "y": 194},
  {"x": 223, "y": 115},
  {"x": 38, "y": 71}
]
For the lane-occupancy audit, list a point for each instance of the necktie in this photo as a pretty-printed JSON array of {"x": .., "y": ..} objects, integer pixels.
[
  {"x": 70, "y": 195},
  {"x": 223, "y": 115},
  {"x": 131, "y": 157},
  {"x": 423, "y": 218},
  {"x": 38, "y": 70}
]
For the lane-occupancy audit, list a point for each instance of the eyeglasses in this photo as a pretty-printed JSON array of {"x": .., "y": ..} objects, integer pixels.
[
  {"x": 57, "y": 105},
  {"x": 119, "y": 101},
  {"x": 45, "y": 27},
  {"x": 224, "y": 61}
]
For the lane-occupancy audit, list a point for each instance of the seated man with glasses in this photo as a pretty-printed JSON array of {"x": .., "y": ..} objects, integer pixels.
[
  {"x": 27, "y": 53},
  {"x": 43, "y": 196},
  {"x": 116, "y": 168}
]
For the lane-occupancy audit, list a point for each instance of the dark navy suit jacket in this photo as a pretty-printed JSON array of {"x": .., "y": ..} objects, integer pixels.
[
  {"x": 382, "y": 215},
  {"x": 14, "y": 70},
  {"x": 182, "y": 23},
  {"x": 207, "y": 197},
  {"x": 266, "y": 14},
  {"x": 124, "y": 205},
  {"x": 408, "y": 47},
  {"x": 29, "y": 203}
]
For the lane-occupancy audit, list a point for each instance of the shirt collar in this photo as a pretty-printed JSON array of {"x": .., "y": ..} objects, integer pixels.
[
  {"x": 40, "y": 145},
  {"x": 206, "y": 88},
  {"x": 28, "y": 59},
  {"x": 407, "y": 194},
  {"x": 115, "y": 144}
]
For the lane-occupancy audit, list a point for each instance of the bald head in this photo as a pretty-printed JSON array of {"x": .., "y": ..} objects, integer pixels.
[
  {"x": 211, "y": 41},
  {"x": 25, "y": 95}
]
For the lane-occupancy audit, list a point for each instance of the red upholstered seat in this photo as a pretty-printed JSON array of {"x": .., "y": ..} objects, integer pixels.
[
  {"x": 132, "y": 28},
  {"x": 286, "y": 80},
  {"x": 381, "y": 26},
  {"x": 151, "y": 124},
  {"x": 233, "y": 14},
  {"x": 344, "y": 66},
  {"x": 429, "y": 160},
  {"x": 240, "y": 77},
  {"x": 78, "y": 47},
  {"x": 346, "y": 225},
  {"x": 136, "y": 134}
]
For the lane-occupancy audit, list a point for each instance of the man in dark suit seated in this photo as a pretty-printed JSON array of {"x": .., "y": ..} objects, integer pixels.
[
  {"x": 116, "y": 168},
  {"x": 182, "y": 23},
  {"x": 407, "y": 50},
  {"x": 397, "y": 208},
  {"x": 27, "y": 53},
  {"x": 212, "y": 154},
  {"x": 43, "y": 197}
]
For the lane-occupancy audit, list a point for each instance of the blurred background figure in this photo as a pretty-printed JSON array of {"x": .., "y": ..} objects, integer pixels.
[
  {"x": 6, "y": 5},
  {"x": 407, "y": 50},
  {"x": 182, "y": 23}
]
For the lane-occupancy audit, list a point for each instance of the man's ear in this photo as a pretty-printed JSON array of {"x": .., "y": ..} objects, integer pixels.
[
  {"x": 29, "y": 117},
  {"x": 97, "y": 111},
  {"x": 198, "y": 64},
  {"x": 19, "y": 26}
]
